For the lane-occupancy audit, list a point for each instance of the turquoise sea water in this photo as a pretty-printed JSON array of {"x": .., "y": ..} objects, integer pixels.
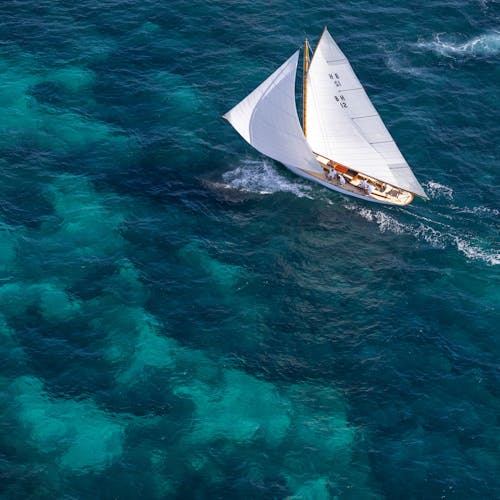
[{"x": 182, "y": 318}]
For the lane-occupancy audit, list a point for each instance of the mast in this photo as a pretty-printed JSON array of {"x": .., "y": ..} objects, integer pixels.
[{"x": 304, "y": 84}]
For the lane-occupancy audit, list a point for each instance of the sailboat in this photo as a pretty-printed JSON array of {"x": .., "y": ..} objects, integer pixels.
[{"x": 342, "y": 143}]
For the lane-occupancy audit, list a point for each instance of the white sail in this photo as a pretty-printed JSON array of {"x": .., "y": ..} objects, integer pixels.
[
  {"x": 267, "y": 119},
  {"x": 343, "y": 124}
]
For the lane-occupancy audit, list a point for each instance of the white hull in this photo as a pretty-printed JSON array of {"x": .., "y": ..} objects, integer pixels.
[{"x": 334, "y": 187}]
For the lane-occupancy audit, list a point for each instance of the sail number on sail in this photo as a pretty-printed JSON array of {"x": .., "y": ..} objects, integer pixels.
[{"x": 338, "y": 83}]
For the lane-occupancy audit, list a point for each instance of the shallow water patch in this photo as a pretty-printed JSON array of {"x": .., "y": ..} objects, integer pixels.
[
  {"x": 74, "y": 78},
  {"x": 224, "y": 275},
  {"x": 89, "y": 221},
  {"x": 55, "y": 128},
  {"x": 242, "y": 409},
  {"x": 78, "y": 434}
]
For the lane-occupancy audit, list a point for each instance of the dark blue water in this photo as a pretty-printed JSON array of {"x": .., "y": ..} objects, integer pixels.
[{"x": 182, "y": 318}]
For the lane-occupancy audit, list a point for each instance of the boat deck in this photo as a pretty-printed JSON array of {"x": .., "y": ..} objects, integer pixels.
[{"x": 382, "y": 192}]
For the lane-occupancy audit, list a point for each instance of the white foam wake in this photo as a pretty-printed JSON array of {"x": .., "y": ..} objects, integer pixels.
[
  {"x": 485, "y": 45},
  {"x": 437, "y": 190},
  {"x": 479, "y": 211},
  {"x": 261, "y": 177},
  {"x": 440, "y": 238}
]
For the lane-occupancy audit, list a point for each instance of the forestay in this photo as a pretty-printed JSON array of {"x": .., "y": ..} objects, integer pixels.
[
  {"x": 343, "y": 124},
  {"x": 267, "y": 119}
]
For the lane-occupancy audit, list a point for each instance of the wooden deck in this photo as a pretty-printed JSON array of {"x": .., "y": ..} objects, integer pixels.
[{"x": 382, "y": 191}]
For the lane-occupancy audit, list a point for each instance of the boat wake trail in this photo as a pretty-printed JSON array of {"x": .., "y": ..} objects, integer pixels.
[
  {"x": 261, "y": 177},
  {"x": 480, "y": 211},
  {"x": 485, "y": 45},
  {"x": 437, "y": 234}
]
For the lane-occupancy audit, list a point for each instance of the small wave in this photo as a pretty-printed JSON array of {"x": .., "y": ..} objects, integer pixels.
[
  {"x": 485, "y": 45},
  {"x": 476, "y": 253},
  {"x": 480, "y": 211},
  {"x": 262, "y": 178},
  {"x": 437, "y": 190},
  {"x": 436, "y": 238},
  {"x": 384, "y": 221},
  {"x": 397, "y": 65},
  {"x": 401, "y": 65}
]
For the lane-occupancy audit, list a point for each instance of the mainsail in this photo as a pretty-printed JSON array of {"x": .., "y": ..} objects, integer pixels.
[
  {"x": 343, "y": 124},
  {"x": 267, "y": 119}
]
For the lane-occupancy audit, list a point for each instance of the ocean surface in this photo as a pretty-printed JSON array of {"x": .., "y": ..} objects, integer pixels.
[{"x": 182, "y": 318}]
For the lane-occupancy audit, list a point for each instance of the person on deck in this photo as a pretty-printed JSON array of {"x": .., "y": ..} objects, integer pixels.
[
  {"x": 363, "y": 184},
  {"x": 369, "y": 189},
  {"x": 341, "y": 180},
  {"x": 332, "y": 174}
]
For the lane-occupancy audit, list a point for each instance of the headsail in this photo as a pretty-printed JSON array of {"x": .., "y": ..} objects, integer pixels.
[
  {"x": 267, "y": 119},
  {"x": 343, "y": 124}
]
